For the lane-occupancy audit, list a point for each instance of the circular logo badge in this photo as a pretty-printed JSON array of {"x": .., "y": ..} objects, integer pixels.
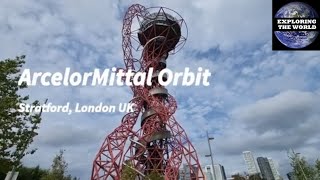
[{"x": 296, "y": 39}]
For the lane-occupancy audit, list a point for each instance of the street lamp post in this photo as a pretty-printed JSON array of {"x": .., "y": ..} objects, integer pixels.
[{"x": 211, "y": 138}]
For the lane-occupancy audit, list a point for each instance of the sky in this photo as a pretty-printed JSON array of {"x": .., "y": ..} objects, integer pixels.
[{"x": 259, "y": 100}]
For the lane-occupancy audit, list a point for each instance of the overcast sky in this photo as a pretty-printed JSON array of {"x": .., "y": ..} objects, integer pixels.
[{"x": 259, "y": 100}]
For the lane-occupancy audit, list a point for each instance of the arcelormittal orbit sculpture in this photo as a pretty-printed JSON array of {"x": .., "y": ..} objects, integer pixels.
[{"x": 159, "y": 145}]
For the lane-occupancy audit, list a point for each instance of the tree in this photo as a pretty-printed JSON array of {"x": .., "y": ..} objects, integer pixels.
[
  {"x": 317, "y": 167},
  {"x": 154, "y": 176},
  {"x": 17, "y": 129},
  {"x": 58, "y": 169},
  {"x": 128, "y": 172},
  {"x": 5, "y": 166},
  {"x": 27, "y": 173},
  {"x": 301, "y": 168},
  {"x": 238, "y": 177},
  {"x": 255, "y": 177},
  {"x": 31, "y": 173}
]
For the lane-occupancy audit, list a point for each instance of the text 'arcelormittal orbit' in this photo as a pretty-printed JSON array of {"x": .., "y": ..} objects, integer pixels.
[{"x": 159, "y": 145}]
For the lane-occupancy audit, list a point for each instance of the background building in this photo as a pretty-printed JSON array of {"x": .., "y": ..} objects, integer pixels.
[
  {"x": 208, "y": 172},
  {"x": 274, "y": 170},
  {"x": 185, "y": 174},
  {"x": 265, "y": 168},
  {"x": 219, "y": 172},
  {"x": 250, "y": 163},
  {"x": 291, "y": 176}
]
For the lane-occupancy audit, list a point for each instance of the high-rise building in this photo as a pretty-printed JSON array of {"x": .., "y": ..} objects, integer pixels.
[
  {"x": 274, "y": 170},
  {"x": 265, "y": 168},
  {"x": 219, "y": 172},
  {"x": 250, "y": 163}
]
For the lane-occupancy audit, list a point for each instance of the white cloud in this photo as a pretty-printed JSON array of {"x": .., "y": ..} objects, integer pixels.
[{"x": 280, "y": 112}]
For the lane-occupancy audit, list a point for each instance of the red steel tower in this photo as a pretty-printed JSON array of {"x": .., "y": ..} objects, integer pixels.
[{"x": 159, "y": 144}]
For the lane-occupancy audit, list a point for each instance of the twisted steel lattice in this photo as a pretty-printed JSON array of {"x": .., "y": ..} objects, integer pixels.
[{"x": 160, "y": 145}]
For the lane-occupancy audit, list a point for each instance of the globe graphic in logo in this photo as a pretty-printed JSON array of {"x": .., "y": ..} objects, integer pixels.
[{"x": 296, "y": 39}]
